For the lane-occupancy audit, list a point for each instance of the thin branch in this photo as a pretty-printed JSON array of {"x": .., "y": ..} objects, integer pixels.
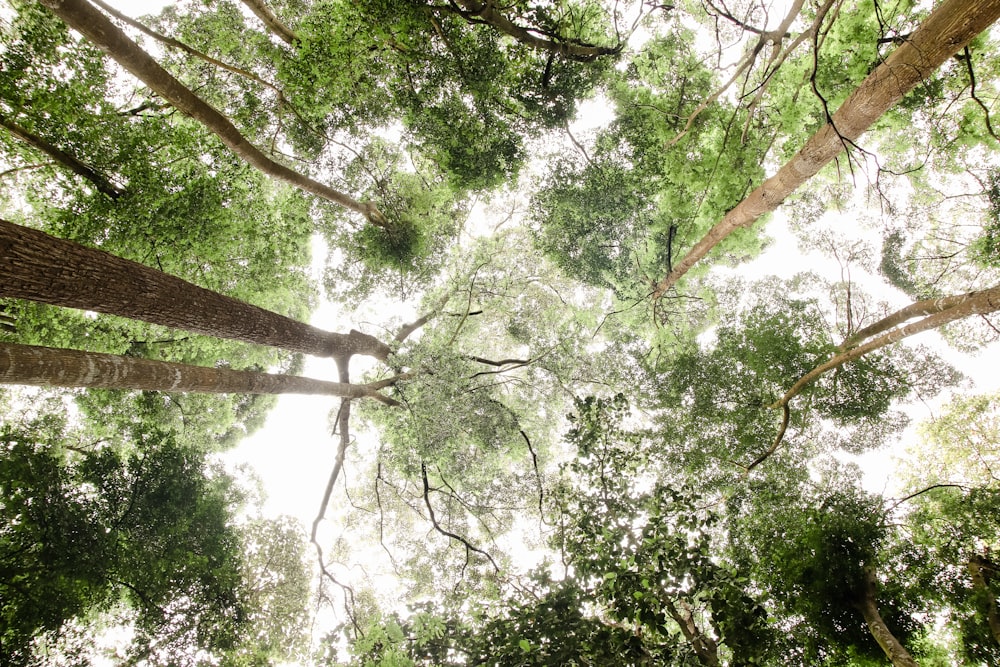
[{"x": 430, "y": 509}]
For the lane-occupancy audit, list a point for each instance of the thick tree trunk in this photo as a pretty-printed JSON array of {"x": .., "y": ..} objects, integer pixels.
[
  {"x": 487, "y": 12},
  {"x": 706, "y": 648},
  {"x": 65, "y": 159},
  {"x": 895, "y": 651},
  {"x": 95, "y": 26},
  {"x": 976, "y": 566},
  {"x": 264, "y": 13},
  {"x": 945, "y": 32},
  {"x": 53, "y": 367},
  {"x": 39, "y": 267}
]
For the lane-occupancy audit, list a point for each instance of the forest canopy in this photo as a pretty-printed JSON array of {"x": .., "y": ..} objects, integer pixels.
[{"x": 631, "y": 299}]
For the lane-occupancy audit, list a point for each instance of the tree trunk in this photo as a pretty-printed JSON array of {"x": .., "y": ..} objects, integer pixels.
[
  {"x": 96, "y": 27},
  {"x": 976, "y": 566},
  {"x": 945, "y": 32},
  {"x": 964, "y": 305},
  {"x": 916, "y": 309},
  {"x": 574, "y": 50},
  {"x": 896, "y": 652},
  {"x": 706, "y": 648},
  {"x": 65, "y": 159},
  {"x": 54, "y": 367},
  {"x": 264, "y": 13},
  {"x": 39, "y": 267}
]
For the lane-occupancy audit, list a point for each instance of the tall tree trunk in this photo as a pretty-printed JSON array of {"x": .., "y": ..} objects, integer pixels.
[
  {"x": 945, "y": 32},
  {"x": 54, "y": 367},
  {"x": 976, "y": 566},
  {"x": 273, "y": 23},
  {"x": 95, "y": 26},
  {"x": 706, "y": 648},
  {"x": 62, "y": 157},
  {"x": 895, "y": 651},
  {"x": 946, "y": 310},
  {"x": 487, "y": 12},
  {"x": 964, "y": 305},
  {"x": 39, "y": 267}
]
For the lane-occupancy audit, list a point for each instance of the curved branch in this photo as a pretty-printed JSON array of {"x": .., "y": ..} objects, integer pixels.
[
  {"x": 430, "y": 509},
  {"x": 101, "y": 182},
  {"x": 273, "y": 23},
  {"x": 786, "y": 416}
]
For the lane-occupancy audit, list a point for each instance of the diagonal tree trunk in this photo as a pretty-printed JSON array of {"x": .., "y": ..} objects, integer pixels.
[
  {"x": 487, "y": 12},
  {"x": 916, "y": 309},
  {"x": 945, "y": 32},
  {"x": 273, "y": 23},
  {"x": 54, "y": 367},
  {"x": 39, "y": 267},
  {"x": 959, "y": 307},
  {"x": 62, "y": 157},
  {"x": 868, "y": 607},
  {"x": 96, "y": 27}
]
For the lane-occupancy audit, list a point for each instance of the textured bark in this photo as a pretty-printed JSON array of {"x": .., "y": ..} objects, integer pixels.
[
  {"x": 39, "y": 267},
  {"x": 487, "y": 12},
  {"x": 895, "y": 651},
  {"x": 976, "y": 566},
  {"x": 944, "y": 33},
  {"x": 54, "y": 367},
  {"x": 63, "y": 158},
  {"x": 96, "y": 27},
  {"x": 264, "y": 13}
]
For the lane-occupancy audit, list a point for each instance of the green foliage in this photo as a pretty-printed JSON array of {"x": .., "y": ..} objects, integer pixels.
[{"x": 84, "y": 528}]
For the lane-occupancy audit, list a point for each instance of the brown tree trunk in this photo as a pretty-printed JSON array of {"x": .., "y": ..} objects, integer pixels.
[
  {"x": 487, "y": 12},
  {"x": 958, "y": 307},
  {"x": 39, "y": 267},
  {"x": 54, "y": 367},
  {"x": 65, "y": 159},
  {"x": 264, "y": 13},
  {"x": 96, "y": 27},
  {"x": 706, "y": 648},
  {"x": 895, "y": 651},
  {"x": 916, "y": 309},
  {"x": 945, "y": 32},
  {"x": 976, "y": 566},
  {"x": 964, "y": 305}
]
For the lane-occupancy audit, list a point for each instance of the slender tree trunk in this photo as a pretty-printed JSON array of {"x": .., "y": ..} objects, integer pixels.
[
  {"x": 96, "y": 27},
  {"x": 487, "y": 12},
  {"x": 945, "y": 32},
  {"x": 916, "y": 309},
  {"x": 973, "y": 303},
  {"x": 54, "y": 367},
  {"x": 273, "y": 23},
  {"x": 895, "y": 651},
  {"x": 191, "y": 51},
  {"x": 61, "y": 157},
  {"x": 39, "y": 267},
  {"x": 958, "y": 307},
  {"x": 976, "y": 566}
]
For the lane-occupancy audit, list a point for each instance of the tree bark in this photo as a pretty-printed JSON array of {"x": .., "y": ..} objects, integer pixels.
[
  {"x": 945, "y": 32},
  {"x": 61, "y": 157},
  {"x": 54, "y": 367},
  {"x": 916, "y": 309},
  {"x": 895, "y": 651},
  {"x": 96, "y": 27},
  {"x": 487, "y": 12},
  {"x": 976, "y": 566},
  {"x": 964, "y": 305},
  {"x": 264, "y": 13},
  {"x": 39, "y": 267},
  {"x": 706, "y": 648}
]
